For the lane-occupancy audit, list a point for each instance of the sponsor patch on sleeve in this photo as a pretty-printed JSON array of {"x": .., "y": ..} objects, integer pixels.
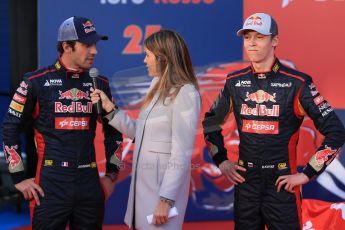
[
  {"x": 16, "y": 106},
  {"x": 14, "y": 113},
  {"x": 19, "y": 99},
  {"x": 318, "y": 100}
]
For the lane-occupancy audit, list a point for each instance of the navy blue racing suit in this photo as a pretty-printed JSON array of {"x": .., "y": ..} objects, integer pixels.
[
  {"x": 269, "y": 109},
  {"x": 58, "y": 102}
]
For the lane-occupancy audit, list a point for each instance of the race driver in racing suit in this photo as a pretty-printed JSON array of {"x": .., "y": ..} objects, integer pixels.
[
  {"x": 269, "y": 101},
  {"x": 67, "y": 187}
]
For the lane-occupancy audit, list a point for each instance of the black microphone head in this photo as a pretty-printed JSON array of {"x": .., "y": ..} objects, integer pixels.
[{"x": 93, "y": 72}]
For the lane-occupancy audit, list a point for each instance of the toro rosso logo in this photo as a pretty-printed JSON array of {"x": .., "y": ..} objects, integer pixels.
[
  {"x": 322, "y": 156},
  {"x": 74, "y": 94},
  {"x": 12, "y": 156},
  {"x": 260, "y": 96},
  {"x": 254, "y": 20}
]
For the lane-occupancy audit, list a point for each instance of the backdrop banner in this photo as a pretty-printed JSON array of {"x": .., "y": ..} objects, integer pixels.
[{"x": 209, "y": 28}]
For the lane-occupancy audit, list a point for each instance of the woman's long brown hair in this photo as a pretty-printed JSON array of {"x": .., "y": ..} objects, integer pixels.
[{"x": 175, "y": 64}]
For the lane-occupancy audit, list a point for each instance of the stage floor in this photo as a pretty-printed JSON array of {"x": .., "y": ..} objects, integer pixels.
[{"x": 228, "y": 225}]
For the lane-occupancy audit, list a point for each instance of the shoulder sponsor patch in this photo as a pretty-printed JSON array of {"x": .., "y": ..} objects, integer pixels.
[
  {"x": 14, "y": 113},
  {"x": 16, "y": 106},
  {"x": 318, "y": 100},
  {"x": 24, "y": 85},
  {"x": 18, "y": 98},
  {"x": 22, "y": 91},
  {"x": 314, "y": 92}
]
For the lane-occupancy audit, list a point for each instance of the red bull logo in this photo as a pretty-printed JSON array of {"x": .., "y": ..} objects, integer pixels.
[
  {"x": 260, "y": 96},
  {"x": 74, "y": 94},
  {"x": 322, "y": 156},
  {"x": 88, "y": 27},
  {"x": 13, "y": 157},
  {"x": 254, "y": 20},
  {"x": 260, "y": 110},
  {"x": 74, "y": 107},
  {"x": 87, "y": 24},
  {"x": 66, "y": 95}
]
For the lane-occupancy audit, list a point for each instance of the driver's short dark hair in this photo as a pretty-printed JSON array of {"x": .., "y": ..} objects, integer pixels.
[{"x": 60, "y": 48}]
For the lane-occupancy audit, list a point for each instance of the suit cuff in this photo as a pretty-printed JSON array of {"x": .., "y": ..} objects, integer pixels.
[
  {"x": 17, "y": 177},
  {"x": 220, "y": 157},
  {"x": 109, "y": 116},
  {"x": 168, "y": 201},
  {"x": 309, "y": 171}
]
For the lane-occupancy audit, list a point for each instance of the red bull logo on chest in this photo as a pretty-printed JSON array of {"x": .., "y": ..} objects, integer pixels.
[
  {"x": 74, "y": 94},
  {"x": 260, "y": 96}
]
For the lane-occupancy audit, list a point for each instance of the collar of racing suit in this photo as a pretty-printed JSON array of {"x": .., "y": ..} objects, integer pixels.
[
  {"x": 273, "y": 70},
  {"x": 61, "y": 67}
]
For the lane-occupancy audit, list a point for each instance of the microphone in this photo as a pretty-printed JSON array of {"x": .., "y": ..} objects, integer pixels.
[{"x": 93, "y": 72}]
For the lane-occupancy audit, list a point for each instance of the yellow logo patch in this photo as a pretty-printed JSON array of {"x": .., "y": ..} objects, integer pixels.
[
  {"x": 282, "y": 166},
  {"x": 57, "y": 65},
  {"x": 275, "y": 68},
  {"x": 48, "y": 163}
]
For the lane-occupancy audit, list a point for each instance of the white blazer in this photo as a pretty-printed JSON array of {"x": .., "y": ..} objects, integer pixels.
[{"x": 164, "y": 141}]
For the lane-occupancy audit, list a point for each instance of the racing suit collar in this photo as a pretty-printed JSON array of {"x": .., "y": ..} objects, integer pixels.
[
  {"x": 70, "y": 73},
  {"x": 273, "y": 70}
]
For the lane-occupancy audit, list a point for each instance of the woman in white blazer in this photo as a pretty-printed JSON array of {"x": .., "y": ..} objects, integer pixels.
[{"x": 164, "y": 134}]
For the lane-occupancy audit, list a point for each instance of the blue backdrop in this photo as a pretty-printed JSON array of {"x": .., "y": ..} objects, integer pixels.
[{"x": 207, "y": 28}]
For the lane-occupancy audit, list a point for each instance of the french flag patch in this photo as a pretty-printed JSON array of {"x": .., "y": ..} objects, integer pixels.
[{"x": 64, "y": 164}]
